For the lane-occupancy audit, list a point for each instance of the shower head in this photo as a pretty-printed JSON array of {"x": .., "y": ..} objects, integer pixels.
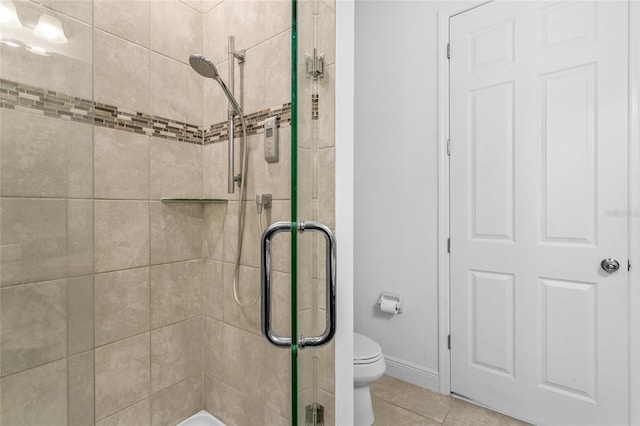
[{"x": 203, "y": 66}]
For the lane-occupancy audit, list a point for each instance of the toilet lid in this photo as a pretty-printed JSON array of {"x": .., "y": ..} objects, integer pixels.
[{"x": 365, "y": 350}]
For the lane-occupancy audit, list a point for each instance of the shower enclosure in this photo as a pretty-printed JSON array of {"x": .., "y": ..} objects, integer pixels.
[{"x": 117, "y": 306}]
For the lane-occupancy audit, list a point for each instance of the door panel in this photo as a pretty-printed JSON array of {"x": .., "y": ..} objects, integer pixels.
[
  {"x": 492, "y": 306},
  {"x": 538, "y": 177},
  {"x": 568, "y": 119},
  {"x": 491, "y": 143}
]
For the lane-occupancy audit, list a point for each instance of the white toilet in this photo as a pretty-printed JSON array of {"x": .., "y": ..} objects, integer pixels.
[{"x": 368, "y": 366}]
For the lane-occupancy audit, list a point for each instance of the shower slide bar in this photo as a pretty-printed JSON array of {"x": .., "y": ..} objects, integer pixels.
[
  {"x": 234, "y": 110},
  {"x": 330, "y": 304}
]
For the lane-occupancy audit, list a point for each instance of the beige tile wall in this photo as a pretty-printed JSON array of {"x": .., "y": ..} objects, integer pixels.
[
  {"x": 148, "y": 299},
  {"x": 325, "y": 210},
  {"x": 98, "y": 277},
  {"x": 130, "y": 290},
  {"x": 46, "y": 235}
]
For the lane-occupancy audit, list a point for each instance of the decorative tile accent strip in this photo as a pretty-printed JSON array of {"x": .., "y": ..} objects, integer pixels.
[
  {"x": 46, "y": 102},
  {"x": 139, "y": 122},
  {"x": 22, "y": 97},
  {"x": 315, "y": 110},
  {"x": 255, "y": 124}
]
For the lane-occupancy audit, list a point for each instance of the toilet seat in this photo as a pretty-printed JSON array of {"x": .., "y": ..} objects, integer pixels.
[{"x": 365, "y": 350}]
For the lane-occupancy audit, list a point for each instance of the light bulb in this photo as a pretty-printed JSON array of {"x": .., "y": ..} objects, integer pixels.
[
  {"x": 8, "y": 15},
  {"x": 50, "y": 28}
]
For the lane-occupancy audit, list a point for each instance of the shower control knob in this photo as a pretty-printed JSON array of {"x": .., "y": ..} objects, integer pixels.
[{"x": 610, "y": 265}]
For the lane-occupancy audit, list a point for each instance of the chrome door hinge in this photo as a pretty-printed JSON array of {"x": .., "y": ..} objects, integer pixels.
[
  {"x": 449, "y": 342},
  {"x": 448, "y": 245},
  {"x": 448, "y": 50},
  {"x": 628, "y": 265},
  {"x": 315, "y": 65},
  {"x": 448, "y": 146},
  {"x": 314, "y": 415}
]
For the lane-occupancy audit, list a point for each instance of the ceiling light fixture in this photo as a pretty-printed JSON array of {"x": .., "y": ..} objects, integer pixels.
[
  {"x": 8, "y": 15},
  {"x": 50, "y": 28}
]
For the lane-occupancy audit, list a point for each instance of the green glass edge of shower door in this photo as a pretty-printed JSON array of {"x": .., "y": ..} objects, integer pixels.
[{"x": 294, "y": 212}]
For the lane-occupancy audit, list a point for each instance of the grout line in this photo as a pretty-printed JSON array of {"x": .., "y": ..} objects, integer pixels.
[
  {"x": 173, "y": 262},
  {"x": 150, "y": 331},
  {"x": 123, "y": 409},
  {"x": 64, "y": 358},
  {"x": 403, "y": 409},
  {"x": 408, "y": 386}
]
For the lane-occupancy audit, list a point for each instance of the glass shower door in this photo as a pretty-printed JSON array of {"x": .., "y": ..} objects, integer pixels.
[
  {"x": 301, "y": 319},
  {"x": 313, "y": 109}
]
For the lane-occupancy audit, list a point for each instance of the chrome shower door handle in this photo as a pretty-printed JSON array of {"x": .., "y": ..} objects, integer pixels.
[
  {"x": 330, "y": 273},
  {"x": 265, "y": 272},
  {"x": 330, "y": 307}
]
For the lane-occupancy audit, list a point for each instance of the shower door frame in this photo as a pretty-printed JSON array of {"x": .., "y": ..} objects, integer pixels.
[{"x": 633, "y": 112}]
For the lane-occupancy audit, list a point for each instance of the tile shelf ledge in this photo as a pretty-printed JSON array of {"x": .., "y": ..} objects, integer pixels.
[{"x": 195, "y": 200}]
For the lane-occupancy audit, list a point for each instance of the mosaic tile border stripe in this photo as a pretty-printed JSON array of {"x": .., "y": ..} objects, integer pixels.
[
  {"x": 255, "y": 124},
  {"x": 22, "y": 97},
  {"x": 46, "y": 102},
  {"x": 315, "y": 107}
]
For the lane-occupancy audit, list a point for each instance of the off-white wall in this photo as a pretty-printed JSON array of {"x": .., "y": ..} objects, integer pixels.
[
  {"x": 396, "y": 182},
  {"x": 396, "y": 186}
]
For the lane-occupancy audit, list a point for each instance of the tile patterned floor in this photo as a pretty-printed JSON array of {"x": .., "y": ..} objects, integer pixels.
[{"x": 398, "y": 403}]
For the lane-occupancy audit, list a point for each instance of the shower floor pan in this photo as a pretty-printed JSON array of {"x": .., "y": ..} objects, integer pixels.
[{"x": 201, "y": 418}]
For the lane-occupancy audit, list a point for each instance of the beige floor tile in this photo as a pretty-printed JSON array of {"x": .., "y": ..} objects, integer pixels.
[
  {"x": 463, "y": 413},
  {"x": 388, "y": 414},
  {"x": 414, "y": 398}
]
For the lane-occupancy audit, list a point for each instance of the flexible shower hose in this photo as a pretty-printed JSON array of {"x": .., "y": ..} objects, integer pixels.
[{"x": 241, "y": 210}]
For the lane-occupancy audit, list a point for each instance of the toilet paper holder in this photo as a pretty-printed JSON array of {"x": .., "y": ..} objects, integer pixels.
[{"x": 392, "y": 298}]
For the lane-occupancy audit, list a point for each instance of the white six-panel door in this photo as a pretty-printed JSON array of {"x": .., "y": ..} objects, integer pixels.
[{"x": 538, "y": 110}]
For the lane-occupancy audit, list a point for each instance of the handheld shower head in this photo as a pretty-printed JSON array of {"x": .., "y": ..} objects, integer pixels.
[{"x": 203, "y": 66}]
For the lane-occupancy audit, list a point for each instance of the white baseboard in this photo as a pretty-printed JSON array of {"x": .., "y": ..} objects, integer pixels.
[{"x": 413, "y": 373}]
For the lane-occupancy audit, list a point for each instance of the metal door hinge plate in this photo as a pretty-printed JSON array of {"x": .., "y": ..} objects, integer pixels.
[
  {"x": 448, "y": 146},
  {"x": 448, "y": 50},
  {"x": 449, "y": 342},
  {"x": 314, "y": 415},
  {"x": 315, "y": 65}
]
